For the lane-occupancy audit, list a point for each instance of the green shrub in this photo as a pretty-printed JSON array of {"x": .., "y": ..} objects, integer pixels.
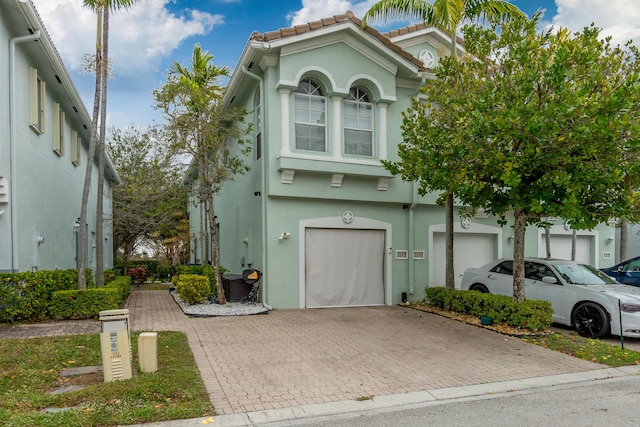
[
  {"x": 193, "y": 288},
  {"x": 150, "y": 266},
  {"x": 533, "y": 315},
  {"x": 110, "y": 275},
  {"x": 201, "y": 270},
  {"x": 165, "y": 271},
  {"x": 435, "y": 296},
  {"x": 123, "y": 284},
  {"x": 84, "y": 304},
  {"x": 27, "y": 295}
]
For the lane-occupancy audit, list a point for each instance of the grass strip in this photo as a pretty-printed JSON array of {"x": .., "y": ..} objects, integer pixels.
[{"x": 31, "y": 368}]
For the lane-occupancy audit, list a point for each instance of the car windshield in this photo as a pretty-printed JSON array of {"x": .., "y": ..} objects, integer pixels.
[{"x": 577, "y": 274}]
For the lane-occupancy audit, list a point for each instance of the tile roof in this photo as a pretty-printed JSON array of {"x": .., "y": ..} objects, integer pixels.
[
  {"x": 416, "y": 27},
  {"x": 334, "y": 20}
]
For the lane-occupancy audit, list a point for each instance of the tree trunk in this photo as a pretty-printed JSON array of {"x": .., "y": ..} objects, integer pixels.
[
  {"x": 574, "y": 241},
  {"x": 624, "y": 239},
  {"x": 82, "y": 233},
  {"x": 101, "y": 156},
  {"x": 519, "y": 229},
  {"x": 449, "y": 269},
  {"x": 128, "y": 248},
  {"x": 220, "y": 296},
  {"x": 547, "y": 240}
]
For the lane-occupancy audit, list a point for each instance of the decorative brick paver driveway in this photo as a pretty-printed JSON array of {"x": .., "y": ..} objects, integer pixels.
[
  {"x": 295, "y": 357},
  {"x": 288, "y": 358}
]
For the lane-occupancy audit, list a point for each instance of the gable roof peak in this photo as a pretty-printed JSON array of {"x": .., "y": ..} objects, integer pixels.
[{"x": 348, "y": 16}]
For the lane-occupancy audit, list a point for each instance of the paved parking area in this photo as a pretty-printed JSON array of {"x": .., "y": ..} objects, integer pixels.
[
  {"x": 289, "y": 358},
  {"x": 297, "y": 357}
]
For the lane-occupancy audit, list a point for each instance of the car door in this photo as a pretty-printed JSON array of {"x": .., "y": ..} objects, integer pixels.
[
  {"x": 536, "y": 288},
  {"x": 500, "y": 279},
  {"x": 628, "y": 272}
]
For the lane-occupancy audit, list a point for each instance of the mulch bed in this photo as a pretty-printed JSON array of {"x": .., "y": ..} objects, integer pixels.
[{"x": 501, "y": 328}]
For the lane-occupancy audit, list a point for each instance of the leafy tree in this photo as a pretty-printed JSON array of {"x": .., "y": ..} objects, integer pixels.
[
  {"x": 539, "y": 124},
  {"x": 151, "y": 199},
  {"x": 101, "y": 8},
  {"x": 199, "y": 125},
  {"x": 447, "y": 14}
]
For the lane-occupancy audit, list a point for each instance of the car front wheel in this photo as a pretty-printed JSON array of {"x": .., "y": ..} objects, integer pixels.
[
  {"x": 479, "y": 287},
  {"x": 591, "y": 320}
]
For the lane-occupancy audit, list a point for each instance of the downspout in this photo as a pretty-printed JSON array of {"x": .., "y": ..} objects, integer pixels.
[
  {"x": 412, "y": 207},
  {"x": 263, "y": 188},
  {"x": 12, "y": 160},
  {"x": 414, "y": 203}
]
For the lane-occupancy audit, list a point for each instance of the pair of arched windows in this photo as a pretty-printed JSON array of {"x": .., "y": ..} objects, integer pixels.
[{"x": 311, "y": 123}]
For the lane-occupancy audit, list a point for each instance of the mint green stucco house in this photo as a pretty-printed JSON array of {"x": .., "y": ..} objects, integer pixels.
[
  {"x": 317, "y": 214},
  {"x": 44, "y": 134}
]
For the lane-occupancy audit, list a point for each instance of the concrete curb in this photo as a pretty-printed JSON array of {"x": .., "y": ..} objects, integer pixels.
[{"x": 401, "y": 401}]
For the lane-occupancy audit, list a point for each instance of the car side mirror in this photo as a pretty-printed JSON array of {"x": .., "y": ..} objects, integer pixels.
[
  {"x": 620, "y": 269},
  {"x": 550, "y": 279}
]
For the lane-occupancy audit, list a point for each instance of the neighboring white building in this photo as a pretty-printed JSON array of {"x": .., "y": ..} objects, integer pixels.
[{"x": 44, "y": 135}]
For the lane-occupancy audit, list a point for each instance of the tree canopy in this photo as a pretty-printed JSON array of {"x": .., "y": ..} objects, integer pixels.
[
  {"x": 151, "y": 203},
  {"x": 536, "y": 124}
]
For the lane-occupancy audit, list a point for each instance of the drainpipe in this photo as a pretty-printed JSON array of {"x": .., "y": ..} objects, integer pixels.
[
  {"x": 263, "y": 188},
  {"x": 412, "y": 207},
  {"x": 12, "y": 154}
]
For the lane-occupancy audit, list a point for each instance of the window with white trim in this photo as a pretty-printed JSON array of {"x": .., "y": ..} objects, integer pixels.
[
  {"x": 76, "y": 143},
  {"x": 310, "y": 117},
  {"x": 37, "y": 91},
  {"x": 257, "y": 119},
  {"x": 358, "y": 123},
  {"x": 58, "y": 129}
]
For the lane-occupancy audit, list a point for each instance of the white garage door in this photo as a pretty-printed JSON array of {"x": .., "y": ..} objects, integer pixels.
[
  {"x": 561, "y": 247},
  {"x": 344, "y": 267},
  {"x": 469, "y": 250}
]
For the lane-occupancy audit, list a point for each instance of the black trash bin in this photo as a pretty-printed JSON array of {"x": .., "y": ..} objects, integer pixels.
[
  {"x": 235, "y": 288},
  {"x": 238, "y": 286}
]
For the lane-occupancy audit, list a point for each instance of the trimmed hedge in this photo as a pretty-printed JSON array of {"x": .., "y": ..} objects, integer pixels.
[
  {"x": 76, "y": 304},
  {"x": 28, "y": 295},
  {"x": 534, "y": 315},
  {"x": 53, "y": 294},
  {"x": 84, "y": 304}
]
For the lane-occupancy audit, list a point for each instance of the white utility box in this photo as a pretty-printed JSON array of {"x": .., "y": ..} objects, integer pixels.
[
  {"x": 115, "y": 344},
  {"x": 148, "y": 351}
]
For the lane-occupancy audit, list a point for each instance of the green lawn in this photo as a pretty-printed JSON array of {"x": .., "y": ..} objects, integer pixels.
[
  {"x": 593, "y": 350},
  {"x": 29, "y": 368}
]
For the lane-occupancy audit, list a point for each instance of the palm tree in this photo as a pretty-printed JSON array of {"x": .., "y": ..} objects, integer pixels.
[
  {"x": 101, "y": 8},
  {"x": 447, "y": 14},
  {"x": 200, "y": 126}
]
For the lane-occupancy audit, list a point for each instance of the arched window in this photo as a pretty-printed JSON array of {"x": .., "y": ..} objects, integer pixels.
[
  {"x": 310, "y": 107},
  {"x": 358, "y": 123},
  {"x": 257, "y": 124}
]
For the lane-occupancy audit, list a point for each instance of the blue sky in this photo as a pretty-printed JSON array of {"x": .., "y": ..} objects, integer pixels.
[{"x": 148, "y": 38}]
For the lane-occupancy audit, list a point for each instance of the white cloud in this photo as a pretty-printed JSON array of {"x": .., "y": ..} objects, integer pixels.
[
  {"x": 619, "y": 19},
  {"x": 139, "y": 37},
  {"x": 313, "y": 10}
]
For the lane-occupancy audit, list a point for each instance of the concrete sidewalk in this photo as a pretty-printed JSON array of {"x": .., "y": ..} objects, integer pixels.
[{"x": 291, "y": 364}]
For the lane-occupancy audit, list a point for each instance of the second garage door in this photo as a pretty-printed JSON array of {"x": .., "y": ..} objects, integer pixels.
[{"x": 469, "y": 250}]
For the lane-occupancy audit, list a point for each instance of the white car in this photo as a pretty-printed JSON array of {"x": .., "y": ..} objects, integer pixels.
[{"x": 590, "y": 302}]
